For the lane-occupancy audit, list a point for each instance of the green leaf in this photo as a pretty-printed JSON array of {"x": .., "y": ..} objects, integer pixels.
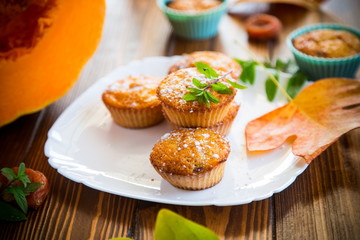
[
  {"x": 280, "y": 65},
  {"x": 271, "y": 88},
  {"x": 212, "y": 98},
  {"x": 295, "y": 84},
  {"x": 31, "y": 187},
  {"x": 9, "y": 174},
  {"x": 196, "y": 91},
  {"x": 221, "y": 88},
  {"x": 170, "y": 225},
  {"x": 198, "y": 84},
  {"x": 206, "y": 99},
  {"x": 248, "y": 73},
  {"x": 19, "y": 197},
  {"x": 10, "y": 213},
  {"x": 206, "y": 70},
  {"x": 21, "y": 170},
  {"x": 236, "y": 85},
  {"x": 190, "y": 97}
]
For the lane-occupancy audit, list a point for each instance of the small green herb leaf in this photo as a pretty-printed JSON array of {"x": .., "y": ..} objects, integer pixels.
[
  {"x": 9, "y": 174},
  {"x": 10, "y": 213},
  {"x": 236, "y": 85},
  {"x": 198, "y": 84},
  {"x": 280, "y": 65},
  {"x": 206, "y": 99},
  {"x": 271, "y": 88},
  {"x": 221, "y": 88},
  {"x": 31, "y": 187},
  {"x": 296, "y": 82},
  {"x": 170, "y": 225},
  {"x": 190, "y": 97},
  {"x": 212, "y": 98},
  {"x": 206, "y": 70},
  {"x": 19, "y": 197}
]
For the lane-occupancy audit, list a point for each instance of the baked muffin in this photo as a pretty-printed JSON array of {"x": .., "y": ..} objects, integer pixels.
[
  {"x": 213, "y": 59},
  {"x": 133, "y": 103},
  {"x": 222, "y": 127},
  {"x": 193, "y": 5},
  {"x": 328, "y": 43},
  {"x": 192, "y": 159},
  {"x": 171, "y": 93}
]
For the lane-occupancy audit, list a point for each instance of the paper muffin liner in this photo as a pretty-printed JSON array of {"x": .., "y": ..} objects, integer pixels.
[
  {"x": 195, "y": 182},
  {"x": 317, "y": 67},
  {"x": 188, "y": 119},
  {"x": 136, "y": 118},
  {"x": 222, "y": 127},
  {"x": 195, "y": 24}
]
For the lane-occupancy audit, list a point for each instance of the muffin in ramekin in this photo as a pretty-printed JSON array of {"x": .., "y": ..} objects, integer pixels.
[
  {"x": 192, "y": 159},
  {"x": 222, "y": 127},
  {"x": 194, "y": 24},
  {"x": 213, "y": 59},
  {"x": 322, "y": 65},
  {"x": 133, "y": 103},
  {"x": 171, "y": 92}
]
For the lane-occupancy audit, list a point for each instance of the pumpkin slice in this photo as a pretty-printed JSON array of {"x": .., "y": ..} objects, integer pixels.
[{"x": 43, "y": 46}]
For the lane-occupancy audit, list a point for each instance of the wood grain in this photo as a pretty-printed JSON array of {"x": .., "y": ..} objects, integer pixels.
[{"x": 321, "y": 204}]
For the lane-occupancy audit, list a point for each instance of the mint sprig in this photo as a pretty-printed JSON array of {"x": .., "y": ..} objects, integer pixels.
[
  {"x": 295, "y": 83},
  {"x": 16, "y": 192},
  {"x": 201, "y": 91}
]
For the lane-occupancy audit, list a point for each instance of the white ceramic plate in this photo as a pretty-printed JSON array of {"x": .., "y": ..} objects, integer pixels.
[{"x": 86, "y": 146}]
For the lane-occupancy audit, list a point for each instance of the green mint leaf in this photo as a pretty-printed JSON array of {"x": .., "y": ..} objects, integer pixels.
[
  {"x": 212, "y": 98},
  {"x": 206, "y": 70},
  {"x": 221, "y": 88},
  {"x": 295, "y": 84},
  {"x": 196, "y": 91},
  {"x": 206, "y": 99},
  {"x": 190, "y": 97},
  {"x": 24, "y": 179},
  {"x": 198, "y": 84},
  {"x": 19, "y": 197},
  {"x": 170, "y": 225},
  {"x": 21, "y": 170},
  {"x": 31, "y": 187},
  {"x": 10, "y": 213},
  {"x": 236, "y": 85},
  {"x": 248, "y": 73},
  {"x": 271, "y": 88},
  {"x": 280, "y": 65},
  {"x": 9, "y": 174}
]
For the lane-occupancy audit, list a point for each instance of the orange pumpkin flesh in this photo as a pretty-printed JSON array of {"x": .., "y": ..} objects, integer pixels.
[{"x": 41, "y": 60}]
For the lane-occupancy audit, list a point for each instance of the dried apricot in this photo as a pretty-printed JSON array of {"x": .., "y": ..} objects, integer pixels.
[
  {"x": 34, "y": 199},
  {"x": 263, "y": 26}
]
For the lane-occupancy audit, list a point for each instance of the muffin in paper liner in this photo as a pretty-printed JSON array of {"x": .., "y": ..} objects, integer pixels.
[
  {"x": 174, "y": 87},
  {"x": 194, "y": 25},
  {"x": 195, "y": 182},
  {"x": 223, "y": 127},
  {"x": 319, "y": 67},
  {"x": 136, "y": 118},
  {"x": 192, "y": 159},
  {"x": 132, "y": 101}
]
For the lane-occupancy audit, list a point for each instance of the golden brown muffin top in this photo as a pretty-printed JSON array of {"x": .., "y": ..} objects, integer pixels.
[
  {"x": 189, "y": 151},
  {"x": 328, "y": 43},
  {"x": 213, "y": 59},
  {"x": 133, "y": 92},
  {"x": 193, "y": 5},
  {"x": 172, "y": 89}
]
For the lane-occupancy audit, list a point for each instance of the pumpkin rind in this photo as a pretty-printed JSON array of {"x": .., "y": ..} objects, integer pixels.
[{"x": 37, "y": 78}]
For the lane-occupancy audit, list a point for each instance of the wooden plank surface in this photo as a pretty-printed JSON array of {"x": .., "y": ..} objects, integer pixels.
[{"x": 321, "y": 204}]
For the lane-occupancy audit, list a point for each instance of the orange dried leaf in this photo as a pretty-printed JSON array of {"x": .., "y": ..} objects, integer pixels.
[{"x": 318, "y": 116}]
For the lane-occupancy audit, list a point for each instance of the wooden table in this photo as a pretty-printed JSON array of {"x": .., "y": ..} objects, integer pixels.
[{"x": 323, "y": 202}]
